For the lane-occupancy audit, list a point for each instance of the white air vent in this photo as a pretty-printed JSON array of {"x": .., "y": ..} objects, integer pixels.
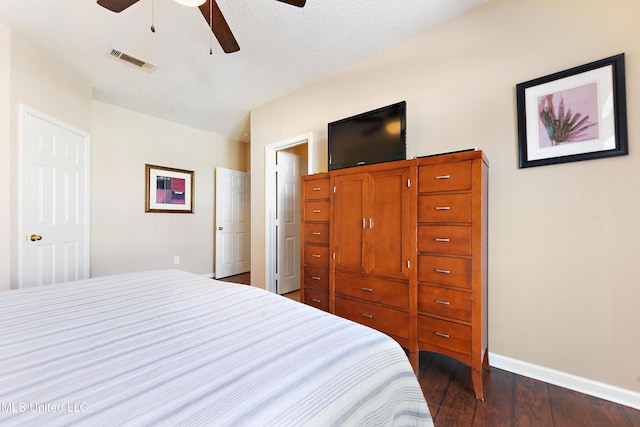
[{"x": 138, "y": 63}]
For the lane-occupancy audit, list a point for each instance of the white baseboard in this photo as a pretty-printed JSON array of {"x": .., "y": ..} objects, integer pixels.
[{"x": 563, "y": 379}]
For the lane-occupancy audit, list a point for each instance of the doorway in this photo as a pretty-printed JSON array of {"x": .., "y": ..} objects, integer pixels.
[
  {"x": 271, "y": 199},
  {"x": 288, "y": 168}
]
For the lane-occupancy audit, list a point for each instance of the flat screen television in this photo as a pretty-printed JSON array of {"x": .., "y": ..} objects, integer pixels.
[{"x": 376, "y": 136}]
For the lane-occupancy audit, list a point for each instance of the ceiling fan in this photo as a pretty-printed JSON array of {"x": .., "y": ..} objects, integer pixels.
[{"x": 210, "y": 12}]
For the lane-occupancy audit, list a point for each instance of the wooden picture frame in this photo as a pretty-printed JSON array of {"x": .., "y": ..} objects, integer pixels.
[
  {"x": 168, "y": 190},
  {"x": 576, "y": 114}
]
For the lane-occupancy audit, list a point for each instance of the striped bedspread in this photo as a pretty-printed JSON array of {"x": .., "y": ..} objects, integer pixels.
[{"x": 173, "y": 348}]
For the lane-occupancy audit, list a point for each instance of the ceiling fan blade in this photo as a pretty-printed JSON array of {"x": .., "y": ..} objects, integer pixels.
[
  {"x": 220, "y": 27},
  {"x": 116, "y": 5},
  {"x": 299, "y": 3}
]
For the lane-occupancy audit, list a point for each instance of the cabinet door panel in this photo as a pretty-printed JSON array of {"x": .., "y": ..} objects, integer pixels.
[
  {"x": 388, "y": 231},
  {"x": 348, "y": 226}
]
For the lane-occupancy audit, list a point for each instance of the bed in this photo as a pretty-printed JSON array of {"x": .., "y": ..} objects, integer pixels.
[{"x": 173, "y": 348}]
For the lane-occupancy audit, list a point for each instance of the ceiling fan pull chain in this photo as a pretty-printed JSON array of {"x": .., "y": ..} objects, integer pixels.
[
  {"x": 153, "y": 27},
  {"x": 211, "y": 27}
]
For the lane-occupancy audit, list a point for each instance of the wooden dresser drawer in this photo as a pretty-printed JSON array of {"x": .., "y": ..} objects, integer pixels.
[
  {"x": 387, "y": 320},
  {"x": 316, "y": 232},
  {"x": 373, "y": 289},
  {"x": 316, "y": 298},
  {"x": 444, "y": 177},
  {"x": 444, "y": 270},
  {"x": 316, "y": 189},
  {"x": 317, "y": 278},
  {"x": 316, "y": 211},
  {"x": 445, "y": 302},
  {"x": 445, "y": 239},
  {"x": 316, "y": 255},
  {"x": 448, "y": 335},
  {"x": 445, "y": 208}
]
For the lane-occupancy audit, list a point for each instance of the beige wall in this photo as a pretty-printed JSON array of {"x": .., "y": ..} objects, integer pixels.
[
  {"x": 5, "y": 156},
  {"x": 35, "y": 80},
  {"x": 563, "y": 239},
  {"x": 124, "y": 237}
]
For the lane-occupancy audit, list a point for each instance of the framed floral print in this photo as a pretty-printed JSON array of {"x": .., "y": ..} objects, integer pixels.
[{"x": 572, "y": 115}]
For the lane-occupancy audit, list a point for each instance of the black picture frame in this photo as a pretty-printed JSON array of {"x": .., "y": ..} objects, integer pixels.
[{"x": 553, "y": 124}]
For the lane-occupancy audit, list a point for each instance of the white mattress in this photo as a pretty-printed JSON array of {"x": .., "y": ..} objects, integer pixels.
[{"x": 173, "y": 348}]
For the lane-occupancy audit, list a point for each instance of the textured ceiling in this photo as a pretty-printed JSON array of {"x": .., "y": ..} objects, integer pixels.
[{"x": 282, "y": 48}]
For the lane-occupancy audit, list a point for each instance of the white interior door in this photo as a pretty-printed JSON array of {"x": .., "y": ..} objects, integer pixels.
[
  {"x": 233, "y": 245},
  {"x": 270, "y": 197},
  {"x": 56, "y": 209},
  {"x": 288, "y": 222}
]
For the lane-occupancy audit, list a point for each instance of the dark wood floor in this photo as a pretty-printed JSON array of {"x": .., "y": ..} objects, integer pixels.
[
  {"x": 511, "y": 400},
  {"x": 244, "y": 279}
]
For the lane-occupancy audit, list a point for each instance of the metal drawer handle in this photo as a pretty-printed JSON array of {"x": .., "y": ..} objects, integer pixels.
[
  {"x": 317, "y": 188},
  {"x": 316, "y": 300},
  {"x": 443, "y": 208},
  {"x": 367, "y": 289},
  {"x": 315, "y": 255},
  {"x": 442, "y": 239},
  {"x": 440, "y": 334},
  {"x": 316, "y": 233},
  {"x": 438, "y": 270},
  {"x": 367, "y": 315},
  {"x": 316, "y": 211},
  {"x": 315, "y": 277},
  {"x": 443, "y": 176},
  {"x": 442, "y": 302}
]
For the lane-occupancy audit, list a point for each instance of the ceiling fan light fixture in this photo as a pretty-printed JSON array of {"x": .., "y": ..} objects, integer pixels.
[{"x": 191, "y": 3}]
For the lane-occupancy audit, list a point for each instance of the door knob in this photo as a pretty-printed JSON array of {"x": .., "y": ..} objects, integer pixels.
[
  {"x": 219, "y": 228},
  {"x": 35, "y": 237}
]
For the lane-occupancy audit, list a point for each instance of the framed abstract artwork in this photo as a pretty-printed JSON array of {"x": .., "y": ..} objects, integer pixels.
[
  {"x": 168, "y": 189},
  {"x": 572, "y": 115}
]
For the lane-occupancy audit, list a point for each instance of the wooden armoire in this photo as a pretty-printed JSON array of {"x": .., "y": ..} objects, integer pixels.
[{"x": 402, "y": 247}]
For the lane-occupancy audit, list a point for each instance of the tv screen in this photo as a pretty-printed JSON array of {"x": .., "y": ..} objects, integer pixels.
[{"x": 373, "y": 137}]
